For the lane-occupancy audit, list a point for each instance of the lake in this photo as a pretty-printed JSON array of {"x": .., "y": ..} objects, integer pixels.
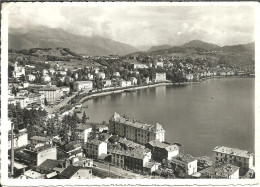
[{"x": 200, "y": 116}]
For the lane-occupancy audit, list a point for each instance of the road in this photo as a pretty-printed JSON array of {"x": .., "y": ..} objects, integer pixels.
[{"x": 57, "y": 107}]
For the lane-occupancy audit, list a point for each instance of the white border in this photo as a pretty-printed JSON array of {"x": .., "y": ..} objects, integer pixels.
[{"x": 112, "y": 182}]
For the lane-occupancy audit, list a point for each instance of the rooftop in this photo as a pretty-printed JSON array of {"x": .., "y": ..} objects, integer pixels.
[
  {"x": 47, "y": 89},
  {"x": 40, "y": 138},
  {"x": 135, "y": 153},
  {"x": 233, "y": 151},
  {"x": 157, "y": 143},
  {"x": 185, "y": 158},
  {"x": 135, "y": 123},
  {"x": 220, "y": 171},
  {"x": 49, "y": 164}
]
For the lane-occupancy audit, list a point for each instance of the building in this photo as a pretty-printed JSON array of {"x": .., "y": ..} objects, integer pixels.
[
  {"x": 22, "y": 100},
  {"x": 221, "y": 171},
  {"x": 49, "y": 93},
  {"x": 90, "y": 76},
  {"x": 158, "y": 64},
  {"x": 18, "y": 70},
  {"x": 94, "y": 148},
  {"x": 133, "y": 80},
  {"x": 139, "y": 66},
  {"x": 101, "y": 75},
  {"x": 83, "y": 132},
  {"x": 162, "y": 150},
  {"x": 134, "y": 160},
  {"x": 40, "y": 154},
  {"x": 83, "y": 85},
  {"x": 188, "y": 162},
  {"x": 39, "y": 140},
  {"x": 150, "y": 167},
  {"x": 107, "y": 83},
  {"x": 234, "y": 156},
  {"x": 46, "y": 78},
  {"x": 45, "y": 72},
  {"x": 135, "y": 130},
  {"x": 75, "y": 172},
  {"x": 123, "y": 83},
  {"x": 20, "y": 139},
  {"x": 189, "y": 77},
  {"x": 116, "y": 74},
  {"x": 30, "y": 77},
  {"x": 159, "y": 77}
]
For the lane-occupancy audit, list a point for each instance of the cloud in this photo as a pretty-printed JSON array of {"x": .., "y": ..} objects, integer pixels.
[{"x": 136, "y": 24}]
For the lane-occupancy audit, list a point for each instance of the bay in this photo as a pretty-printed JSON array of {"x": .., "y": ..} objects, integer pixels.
[{"x": 200, "y": 116}]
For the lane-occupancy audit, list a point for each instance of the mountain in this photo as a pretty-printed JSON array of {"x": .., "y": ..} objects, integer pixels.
[
  {"x": 44, "y": 37},
  {"x": 159, "y": 47},
  {"x": 200, "y": 44},
  {"x": 241, "y": 48}
]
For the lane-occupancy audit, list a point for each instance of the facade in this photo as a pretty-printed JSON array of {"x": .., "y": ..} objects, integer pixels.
[
  {"x": 46, "y": 78},
  {"x": 162, "y": 150},
  {"x": 134, "y": 160},
  {"x": 188, "y": 162},
  {"x": 158, "y": 64},
  {"x": 139, "y": 66},
  {"x": 24, "y": 101},
  {"x": 107, "y": 83},
  {"x": 101, "y": 75},
  {"x": 20, "y": 139},
  {"x": 30, "y": 77},
  {"x": 133, "y": 80},
  {"x": 139, "y": 132},
  {"x": 221, "y": 171},
  {"x": 18, "y": 70},
  {"x": 49, "y": 93},
  {"x": 40, "y": 154},
  {"x": 39, "y": 140},
  {"x": 123, "y": 83},
  {"x": 159, "y": 77},
  {"x": 234, "y": 156},
  {"x": 83, "y": 85},
  {"x": 189, "y": 77},
  {"x": 94, "y": 148},
  {"x": 83, "y": 132},
  {"x": 116, "y": 74}
]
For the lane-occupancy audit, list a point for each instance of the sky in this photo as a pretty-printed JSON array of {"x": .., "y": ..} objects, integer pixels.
[{"x": 142, "y": 24}]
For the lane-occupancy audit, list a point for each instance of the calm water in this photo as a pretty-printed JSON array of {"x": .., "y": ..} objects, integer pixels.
[{"x": 200, "y": 116}]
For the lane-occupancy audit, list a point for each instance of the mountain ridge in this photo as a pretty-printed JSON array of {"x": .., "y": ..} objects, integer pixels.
[{"x": 44, "y": 37}]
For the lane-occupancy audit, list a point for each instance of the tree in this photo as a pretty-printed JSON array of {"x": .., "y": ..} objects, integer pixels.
[
  {"x": 84, "y": 118},
  {"x": 45, "y": 101}
]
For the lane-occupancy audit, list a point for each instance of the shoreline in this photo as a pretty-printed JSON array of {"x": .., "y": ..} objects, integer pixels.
[{"x": 122, "y": 89}]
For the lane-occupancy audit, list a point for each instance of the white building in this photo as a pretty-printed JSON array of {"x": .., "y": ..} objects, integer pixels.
[
  {"x": 83, "y": 132},
  {"x": 101, "y": 75},
  {"x": 158, "y": 64},
  {"x": 18, "y": 70},
  {"x": 220, "y": 171},
  {"x": 20, "y": 139},
  {"x": 116, "y": 74},
  {"x": 46, "y": 78},
  {"x": 234, "y": 156},
  {"x": 139, "y": 66},
  {"x": 90, "y": 76},
  {"x": 159, "y": 77},
  {"x": 123, "y": 83},
  {"x": 188, "y": 162},
  {"x": 107, "y": 83},
  {"x": 137, "y": 131},
  {"x": 30, "y": 77},
  {"x": 94, "y": 148},
  {"x": 45, "y": 72},
  {"x": 133, "y": 80},
  {"x": 83, "y": 85}
]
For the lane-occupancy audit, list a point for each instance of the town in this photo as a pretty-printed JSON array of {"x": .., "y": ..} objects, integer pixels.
[{"x": 48, "y": 139}]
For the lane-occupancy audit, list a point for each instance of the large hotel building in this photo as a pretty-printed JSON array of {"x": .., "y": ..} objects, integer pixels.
[{"x": 136, "y": 131}]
